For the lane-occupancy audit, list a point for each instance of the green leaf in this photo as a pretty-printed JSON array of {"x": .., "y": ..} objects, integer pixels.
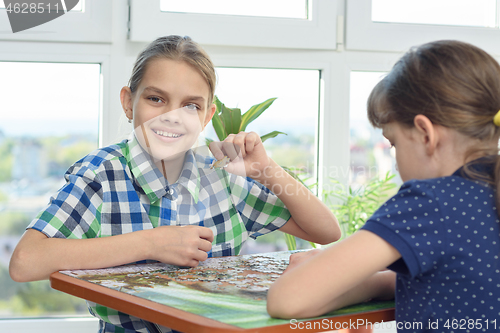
[
  {"x": 254, "y": 112},
  {"x": 218, "y": 104},
  {"x": 290, "y": 242},
  {"x": 208, "y": 141},
  {"x": 219, "y": 127},
  {"x": 225, "y": 116},
  {"x": 223, "y": 119},
  {"x": 271, "y": 135},
  {"x": 235, "y": 120}
]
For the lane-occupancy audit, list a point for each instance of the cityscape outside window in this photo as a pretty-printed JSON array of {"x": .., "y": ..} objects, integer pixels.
[{"x": 49, "y": 120}]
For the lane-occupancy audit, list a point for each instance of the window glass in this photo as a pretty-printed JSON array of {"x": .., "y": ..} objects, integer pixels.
[
  {"x": 264, "y": 8},
  {"x": 371, "y": 153},
  {"x": 49, "y": 120},
  {"x": 294, "y": 112},
  {"x": 480, "y": 13},
  {"x": 78, "y": 8}
]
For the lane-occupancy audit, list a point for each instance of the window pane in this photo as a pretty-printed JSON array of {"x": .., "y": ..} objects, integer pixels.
[
  {"x": 371, "y": 154},
  {"x": 480, "y": 13},
  {"x": 295, "y": 112},
  {"x": 266, "y": 8},
  {"x": 78, "y": 8},
  {"x": 49, "y": 120}
]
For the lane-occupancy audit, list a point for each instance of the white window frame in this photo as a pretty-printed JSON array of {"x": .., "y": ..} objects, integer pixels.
[
  {"x": 364, "y": 34},
  {"x": 147, "y": 22},
  {"x": 18, "y": 51},
  {"x": 93, "y": 24},
  {"x": 52, "y": 325},
  {"x": 67, "y": 53}
]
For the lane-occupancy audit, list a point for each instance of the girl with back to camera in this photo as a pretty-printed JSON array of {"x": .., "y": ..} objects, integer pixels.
[
  {"x": 439, "y": 235},
  {"x": 154, "y": 197}
]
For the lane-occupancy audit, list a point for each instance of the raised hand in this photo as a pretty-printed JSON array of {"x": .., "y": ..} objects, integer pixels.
[{"x": 246, "y": 152}]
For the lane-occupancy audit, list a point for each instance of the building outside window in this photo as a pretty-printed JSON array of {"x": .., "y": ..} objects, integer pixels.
[{"x": 47, "y": 123}]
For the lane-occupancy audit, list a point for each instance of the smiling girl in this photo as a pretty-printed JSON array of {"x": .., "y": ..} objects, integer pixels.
[{"x": 152, "y": 197}]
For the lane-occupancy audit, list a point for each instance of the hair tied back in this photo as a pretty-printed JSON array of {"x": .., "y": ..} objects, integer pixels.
[{"x": 496, "y": 119}]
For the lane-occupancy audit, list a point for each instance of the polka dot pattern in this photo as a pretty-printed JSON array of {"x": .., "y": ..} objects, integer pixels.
[{"x": 447, "y": 232}]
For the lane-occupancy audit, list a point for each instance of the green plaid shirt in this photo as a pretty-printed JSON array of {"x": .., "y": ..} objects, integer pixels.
[{"x": 118, "y": 189}]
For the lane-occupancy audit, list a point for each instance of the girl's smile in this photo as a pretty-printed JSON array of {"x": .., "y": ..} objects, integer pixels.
[{"x": 167, "y": 134}]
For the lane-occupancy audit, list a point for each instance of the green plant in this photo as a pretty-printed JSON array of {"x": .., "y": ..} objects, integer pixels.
[
  {"x": 353, "y": 207},
  {"x": 230, "y": 120}
]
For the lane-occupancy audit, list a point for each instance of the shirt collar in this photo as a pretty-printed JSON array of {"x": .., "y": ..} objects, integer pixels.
[
  {"x": 152, "y": 181},
  {"x": 142, "y": 166},
  {"x": 481, "y": 169},
  {"x": 196, "y": 162}
]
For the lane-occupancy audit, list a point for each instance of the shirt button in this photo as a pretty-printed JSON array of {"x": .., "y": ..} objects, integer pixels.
[{"x": 171, "y": 191}]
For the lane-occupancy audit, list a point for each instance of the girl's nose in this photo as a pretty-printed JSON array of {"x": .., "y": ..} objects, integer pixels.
[{"x": 173, "y": 116}]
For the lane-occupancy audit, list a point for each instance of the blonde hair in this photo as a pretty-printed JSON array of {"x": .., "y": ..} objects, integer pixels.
[{"x": 180, "y": 49}]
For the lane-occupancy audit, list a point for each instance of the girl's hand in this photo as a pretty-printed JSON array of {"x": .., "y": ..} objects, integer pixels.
[
  {"x": 180, "y": 245},
  {"x": 297, "y": 258},
  {"x": 246, "y": 152}
]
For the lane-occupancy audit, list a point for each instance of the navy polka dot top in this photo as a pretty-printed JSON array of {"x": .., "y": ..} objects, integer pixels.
[{"x": 447, "y": 232}]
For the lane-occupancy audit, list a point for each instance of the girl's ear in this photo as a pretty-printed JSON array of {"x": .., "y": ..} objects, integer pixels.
[
  {"x": 210, "y": 113},
  {"x": 126, "y": 99},
  {"x": 427, "y": 133}
]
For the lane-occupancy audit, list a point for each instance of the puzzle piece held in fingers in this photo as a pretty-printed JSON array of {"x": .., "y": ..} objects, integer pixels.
[{"x": 220, "y": 163}]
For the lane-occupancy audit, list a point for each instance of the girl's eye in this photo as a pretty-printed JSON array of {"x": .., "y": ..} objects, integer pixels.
[
  {"x": 192, "y": 107},
  {"x": 155, "y": 99}
]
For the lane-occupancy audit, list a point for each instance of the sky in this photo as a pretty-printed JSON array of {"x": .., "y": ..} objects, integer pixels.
[
  {"x": 274, "y": 8},
  {"x": 40, "y": 98},
  {"x": 49, "y": 98}
]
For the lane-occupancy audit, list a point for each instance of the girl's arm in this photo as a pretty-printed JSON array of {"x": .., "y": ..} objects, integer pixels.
[
  {"x": 345, "y": 273},
  {"x": 36, "y": 256},
  {"x": 311, "y": 219}
]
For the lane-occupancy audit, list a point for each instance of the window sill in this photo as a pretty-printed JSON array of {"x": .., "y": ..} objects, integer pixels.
[{"x": 52, "y": 325}]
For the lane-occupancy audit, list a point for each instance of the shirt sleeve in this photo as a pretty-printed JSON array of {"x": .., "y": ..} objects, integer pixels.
[
  {"x": 409, "y": 221},
  {"x": 260, "y": 209},
  {"x": 74, "y": 211}
]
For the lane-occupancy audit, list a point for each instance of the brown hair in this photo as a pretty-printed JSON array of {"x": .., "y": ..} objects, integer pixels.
[
  {"x": 454, "y": 84},
  {"x": 175, "y": 48}
]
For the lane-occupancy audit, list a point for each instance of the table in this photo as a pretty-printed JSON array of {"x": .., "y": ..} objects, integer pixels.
[{"x": 225, "y": 294}]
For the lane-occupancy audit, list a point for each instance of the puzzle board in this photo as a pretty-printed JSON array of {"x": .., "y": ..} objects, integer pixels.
[{"x": 231, "y": 290}]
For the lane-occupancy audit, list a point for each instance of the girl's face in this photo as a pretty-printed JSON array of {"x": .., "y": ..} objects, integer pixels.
[
  {"x": 411, "y": 160},
  {"x": 169, "y": 108}
]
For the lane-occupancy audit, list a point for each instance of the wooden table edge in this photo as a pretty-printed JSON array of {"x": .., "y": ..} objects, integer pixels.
[
  {"x": 372, "y": 316},
  {"x": 139, "y": 307},
  {"x": 190, "y": 322}
]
